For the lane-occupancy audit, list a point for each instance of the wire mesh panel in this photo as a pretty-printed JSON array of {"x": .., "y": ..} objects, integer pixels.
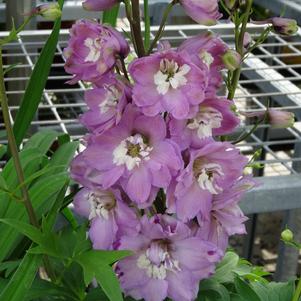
[{"x": 271, "y": 75}]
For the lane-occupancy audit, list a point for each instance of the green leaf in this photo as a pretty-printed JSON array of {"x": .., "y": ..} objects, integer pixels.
[
  {"x": 3, "y": 284},
  {"x": 43, "y": 193},
  {"x": 96, "y": 294},
  {"x": 69, "y": 216},
  {"x": 49, "y": 221},
  {"x": 213, "y": 291},
  {"x": 36, "y": 84},
  {"x": 224, "y": 270},
  {"x": 245, "y": 290},
  {"x": 108, "y": 281},
  {"x": 63, "y": 156},
  {"x": 110, "y": 16},
  {"x": 65, "y": 245},
  {"x": 3, "y": 150},
  {"x": 73, "y": 280},
  {"x": 31, "y": 160},
  {"x": 96, "y": 265},
  {"x": 41, "y": 289},
  {"x": 42, "y": 140},
  {"x": 22, "y": 279},
  {"x": 9, "y": 266},
  {"x": 106, "y": 257},
  {"x": 4, "y": 199},
  {"x": 274, "y": 291},
  {"x": 30, "y": 231}
]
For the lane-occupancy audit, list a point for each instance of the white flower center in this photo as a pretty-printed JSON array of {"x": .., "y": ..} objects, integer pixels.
[
  {"x": 111, "y": 100},
  {"x": 131, "y": 152},
  {"x": 94, "y": 46},
  {"x": 207, "y": 177},
  {"x": 207, "y": 119},
  {"x": 170, "y": 75},
  {"x": 101, "y": 203},
  {"x": 157, "y": 261},
  {"x": 206, "y": 58}
]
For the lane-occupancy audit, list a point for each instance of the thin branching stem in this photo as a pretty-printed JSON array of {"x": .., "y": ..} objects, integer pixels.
[
  {"x": 162, "y": 25},
  {"x": 239, "y": 42},
  {"x": 136, "y": 24}
]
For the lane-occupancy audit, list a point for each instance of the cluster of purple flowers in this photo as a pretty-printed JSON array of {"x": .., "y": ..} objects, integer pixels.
[{"x": 156, "y": 179}]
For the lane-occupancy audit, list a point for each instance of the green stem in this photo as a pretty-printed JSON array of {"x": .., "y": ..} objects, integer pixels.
[
  {"x": 128, "y": 11},
  {"x": 136, "y": 20},
  {"x": 14, "y": 149},
  {"x": 247, "y": 135},
  {"x": 297, "y": 293},
  {"x": 162, "y": 25},
  {"x": 124, "y": 71},
  {"x": 146, "y": 25},
  {"x": 239, "y": 42},
  {"x": 17, "y": 162},
  {"x": 13, "y": 36}
]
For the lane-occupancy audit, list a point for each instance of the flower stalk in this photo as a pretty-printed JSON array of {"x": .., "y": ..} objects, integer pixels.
[
  {"x": 239, "y": 42},
  {"x": 137, "y": 35},
  {"x": 14, "y": 149},
  {"x": 17, "y": 162},
  {"x": 162, "y": 25}
]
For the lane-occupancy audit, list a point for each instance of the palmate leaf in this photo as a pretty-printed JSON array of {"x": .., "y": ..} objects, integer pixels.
[
  {"x": 96, "y": 265},
  {"x": 36, "y": 84}
]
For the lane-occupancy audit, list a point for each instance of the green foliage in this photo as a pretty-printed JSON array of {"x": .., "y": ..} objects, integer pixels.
[
  {"x": 237, "y": 280},
  {"x": 110, "y": 16},
  {"x": 96, "y": 264},
  {"x": 33, "y": 94},
  {"x": 22, "y": 279},
  {"x": 43, "y": 187}
]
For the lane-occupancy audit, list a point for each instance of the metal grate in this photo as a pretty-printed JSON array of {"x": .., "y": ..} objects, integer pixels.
[
  {"x": 272, "y": 74},
  {"x": 290, "y": 8}
]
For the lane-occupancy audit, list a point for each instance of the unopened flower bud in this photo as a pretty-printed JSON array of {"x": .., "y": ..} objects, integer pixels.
[
  {"x": 99, "y": 5},
  {"x": 247, "y": 40},
  {"x": 231, "y": 59},
  {"x": 284, "y": 26},
  {"x": 287, "y": 235},
  {"x": 49, "y": 11},
  {"x": 280, "y": 119},
  {"x": 231, "y": 3}
]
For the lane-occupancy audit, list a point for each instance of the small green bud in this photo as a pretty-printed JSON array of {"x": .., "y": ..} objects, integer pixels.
[
  {"x": 287, "y": 235},
  {"x": 49, "y": 11},
  {"x": 284, "y": 26},
  {"x": 231, "y": 59},
  {"x": 281, "y": 119},
  {"x": 231, "y": 3}
]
